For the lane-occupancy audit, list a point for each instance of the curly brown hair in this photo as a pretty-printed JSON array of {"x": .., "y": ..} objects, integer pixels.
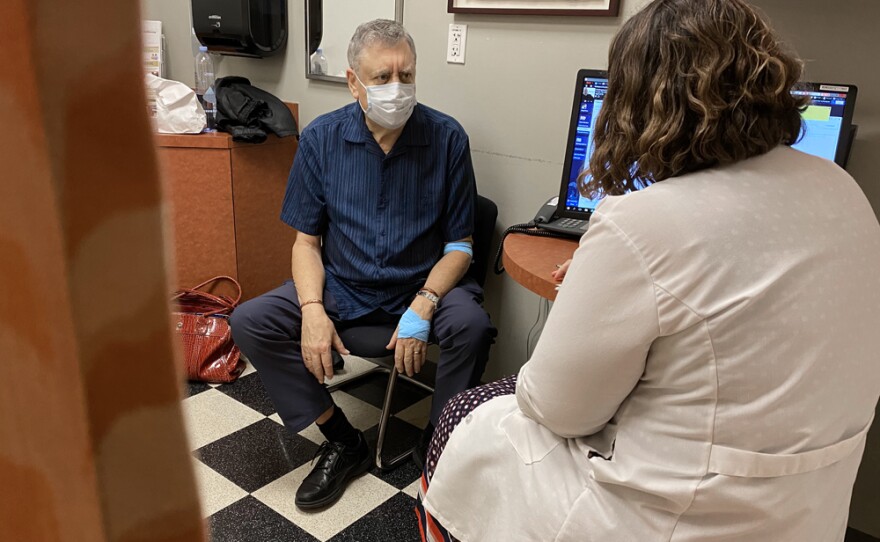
[{"x": 691, "y": 84}]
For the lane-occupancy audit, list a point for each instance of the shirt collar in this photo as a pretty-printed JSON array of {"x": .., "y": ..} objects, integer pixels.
[{"x": 415, "y": 132}]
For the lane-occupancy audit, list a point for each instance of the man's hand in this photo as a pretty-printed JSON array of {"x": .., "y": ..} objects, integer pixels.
[
  {"x": 410, "y": 352},
  {"x": 318, "y": 336}
]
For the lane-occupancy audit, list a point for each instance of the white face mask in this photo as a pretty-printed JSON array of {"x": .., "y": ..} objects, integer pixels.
[{"x": 391, "y": 105}]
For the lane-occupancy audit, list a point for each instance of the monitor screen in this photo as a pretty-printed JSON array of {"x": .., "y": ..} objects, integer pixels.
[
  {"x": 591, "y": 89},
  {"x": 827, "y": 120}
]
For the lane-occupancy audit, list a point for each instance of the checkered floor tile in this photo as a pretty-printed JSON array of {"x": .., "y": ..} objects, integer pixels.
[{"x": 248, "y": 466}]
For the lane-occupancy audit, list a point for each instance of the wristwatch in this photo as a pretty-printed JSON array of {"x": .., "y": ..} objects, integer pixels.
[{"x": 429, "y": 296}]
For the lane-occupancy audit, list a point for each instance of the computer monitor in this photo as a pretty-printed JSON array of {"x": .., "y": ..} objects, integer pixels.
[
  {"x": 589, "y": 94},
  {"x": 827, "y": 121}
]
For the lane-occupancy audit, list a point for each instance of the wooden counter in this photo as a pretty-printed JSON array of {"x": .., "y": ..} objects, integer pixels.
[
  {"x": 224, "y": 202},
  {"x": 530, "y": 260}
]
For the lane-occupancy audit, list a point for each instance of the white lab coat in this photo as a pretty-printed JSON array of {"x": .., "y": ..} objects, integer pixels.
[{"x": 716, "y": 343}]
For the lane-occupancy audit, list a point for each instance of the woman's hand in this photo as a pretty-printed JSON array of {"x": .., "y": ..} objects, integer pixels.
[{"x": 559, "y": 274}]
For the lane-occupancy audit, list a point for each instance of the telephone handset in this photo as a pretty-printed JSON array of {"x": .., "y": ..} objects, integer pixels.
[
  {"x": 547, "y": 219},
  {"x": 547, "y": 212}
]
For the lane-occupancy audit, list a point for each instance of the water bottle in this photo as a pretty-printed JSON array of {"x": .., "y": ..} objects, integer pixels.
[
  {"x": 210, "y": 105},
  {"x": 205, "y": 84},
  {"x": 319, "y": 62}
]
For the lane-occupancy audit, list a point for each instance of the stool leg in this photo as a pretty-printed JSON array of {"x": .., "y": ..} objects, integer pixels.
[
  {"x": 383, "y": 426},
  {"x": 385, "y": 414}
]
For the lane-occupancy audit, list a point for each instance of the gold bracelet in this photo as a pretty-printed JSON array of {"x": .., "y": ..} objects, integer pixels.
[{"x": 309, "y": 302}]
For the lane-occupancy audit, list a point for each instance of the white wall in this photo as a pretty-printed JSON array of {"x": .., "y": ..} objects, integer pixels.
[{"x": 513, "y": 98}]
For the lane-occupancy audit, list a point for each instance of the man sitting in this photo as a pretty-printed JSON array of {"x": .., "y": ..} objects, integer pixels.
[{"x": 382, "y": 196}]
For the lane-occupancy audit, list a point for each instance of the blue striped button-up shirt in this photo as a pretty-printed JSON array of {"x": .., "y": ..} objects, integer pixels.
[{"x": 383, "y": 218}]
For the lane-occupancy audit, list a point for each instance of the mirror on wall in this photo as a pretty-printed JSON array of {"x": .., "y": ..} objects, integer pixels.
[{"x": 329, "y": 27}]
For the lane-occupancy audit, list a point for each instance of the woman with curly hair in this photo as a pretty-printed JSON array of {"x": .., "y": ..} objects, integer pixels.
[{"x": 709, "y": 369}]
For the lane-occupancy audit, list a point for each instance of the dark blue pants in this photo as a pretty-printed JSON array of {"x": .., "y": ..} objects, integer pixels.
[{"x": 267, "y": 329}]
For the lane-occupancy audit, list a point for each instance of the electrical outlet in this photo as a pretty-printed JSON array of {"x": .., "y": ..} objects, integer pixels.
[{"x": 456, "y": 45}]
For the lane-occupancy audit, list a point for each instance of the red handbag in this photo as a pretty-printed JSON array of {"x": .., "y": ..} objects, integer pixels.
[{"x": 201, "y": 321}]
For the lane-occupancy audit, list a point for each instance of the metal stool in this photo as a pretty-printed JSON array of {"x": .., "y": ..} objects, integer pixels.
[{"x": 369, "y": 342}]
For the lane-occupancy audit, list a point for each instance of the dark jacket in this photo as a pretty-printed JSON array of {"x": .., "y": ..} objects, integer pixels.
[{"x": 249, "y": 113}]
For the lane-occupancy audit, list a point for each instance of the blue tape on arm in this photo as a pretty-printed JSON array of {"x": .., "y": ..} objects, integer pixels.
[
  {"x": 461, "y": 246},
  {"x": 413, "y": 327}
]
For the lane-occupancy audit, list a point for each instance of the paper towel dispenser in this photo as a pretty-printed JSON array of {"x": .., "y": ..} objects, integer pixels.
[{"x": 254, "y": 28}]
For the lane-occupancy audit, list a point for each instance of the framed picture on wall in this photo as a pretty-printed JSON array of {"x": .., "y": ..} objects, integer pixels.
[{"x": 594, "y": 8}]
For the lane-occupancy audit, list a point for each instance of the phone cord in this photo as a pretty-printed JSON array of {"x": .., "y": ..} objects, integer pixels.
[{"x": 527, "y": 228}]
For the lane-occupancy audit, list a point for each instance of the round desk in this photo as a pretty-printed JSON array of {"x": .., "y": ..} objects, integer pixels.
[{"x": 530, "y": 260}]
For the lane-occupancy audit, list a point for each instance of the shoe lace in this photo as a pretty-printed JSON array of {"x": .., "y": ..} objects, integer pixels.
[{"x": 325, "y": 452}]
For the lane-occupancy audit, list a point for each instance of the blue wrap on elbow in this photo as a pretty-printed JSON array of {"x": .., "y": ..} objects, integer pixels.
[{"x": 461, "y": 246}]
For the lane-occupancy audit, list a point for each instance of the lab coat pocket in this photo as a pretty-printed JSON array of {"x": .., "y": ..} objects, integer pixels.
[
  {"x": 599, "y": 444},
  {"x": 531, "y": 440}
]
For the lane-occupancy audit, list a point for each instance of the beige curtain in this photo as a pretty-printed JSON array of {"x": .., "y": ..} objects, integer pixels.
[{"x": 92, "y": 445}]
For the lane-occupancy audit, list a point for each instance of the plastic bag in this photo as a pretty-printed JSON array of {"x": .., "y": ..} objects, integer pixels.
[{"x": 178, "y": 110}]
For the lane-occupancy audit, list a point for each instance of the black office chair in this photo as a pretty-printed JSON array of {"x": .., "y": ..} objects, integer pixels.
[{"x": 369, "y": 341}]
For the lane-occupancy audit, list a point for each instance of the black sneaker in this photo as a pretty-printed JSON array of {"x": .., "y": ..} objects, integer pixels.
[
  {"x": 420, "y": 452},
  {"x": 337, "y": 465}
]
